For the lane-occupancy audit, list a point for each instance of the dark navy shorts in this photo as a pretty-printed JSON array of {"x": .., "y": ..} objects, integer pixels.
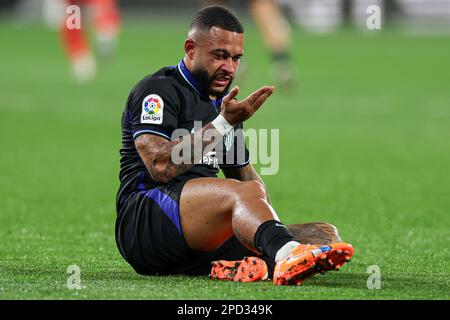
[{"x": 150, "y": 238}]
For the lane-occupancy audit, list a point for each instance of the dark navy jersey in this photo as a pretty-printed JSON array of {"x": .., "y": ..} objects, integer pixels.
[{"x": 167, "y": 103}]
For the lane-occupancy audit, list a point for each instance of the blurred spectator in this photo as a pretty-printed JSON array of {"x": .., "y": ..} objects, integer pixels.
[
  {"x": 105, "y": 17},
  {"x": 276, "y": 33}
]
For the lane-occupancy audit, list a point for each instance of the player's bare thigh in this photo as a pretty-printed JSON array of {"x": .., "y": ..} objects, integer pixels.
[{"x": 206, "y": 206}]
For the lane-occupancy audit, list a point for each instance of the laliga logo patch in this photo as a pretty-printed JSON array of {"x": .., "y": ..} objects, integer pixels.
[{"x": 152, "y": 109}]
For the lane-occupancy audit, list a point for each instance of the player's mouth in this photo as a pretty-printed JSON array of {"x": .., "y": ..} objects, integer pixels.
[{"x": 222, "y": 81}]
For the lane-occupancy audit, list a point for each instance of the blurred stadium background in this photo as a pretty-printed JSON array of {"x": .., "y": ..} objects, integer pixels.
[
  {"x": 364, "y": 145},
  {"x": 313, "y": 14}
]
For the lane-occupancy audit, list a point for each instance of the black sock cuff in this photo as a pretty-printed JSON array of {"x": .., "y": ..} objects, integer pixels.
[
  {"x": 271, "y": 236},
  {"x": 259, "y": 231}
]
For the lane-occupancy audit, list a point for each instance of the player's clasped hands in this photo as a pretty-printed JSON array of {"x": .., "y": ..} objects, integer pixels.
[{"x": 235, "y": 111}]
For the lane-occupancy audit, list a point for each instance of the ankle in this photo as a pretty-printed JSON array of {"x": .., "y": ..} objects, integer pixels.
[
  {"x": 285, "y": 250},
  {"x": 271, "y": 236}
]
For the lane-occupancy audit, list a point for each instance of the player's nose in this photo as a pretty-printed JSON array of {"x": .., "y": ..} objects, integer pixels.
[{"x": 229, "y": 66}]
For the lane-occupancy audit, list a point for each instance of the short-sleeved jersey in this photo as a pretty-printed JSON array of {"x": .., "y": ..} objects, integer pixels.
[{"x": 167, "y": 103}]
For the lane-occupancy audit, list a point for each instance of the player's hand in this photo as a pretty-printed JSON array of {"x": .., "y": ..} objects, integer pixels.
[{"x": 235, "y": 111}]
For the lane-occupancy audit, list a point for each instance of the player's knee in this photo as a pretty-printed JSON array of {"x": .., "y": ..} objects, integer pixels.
[{"x": 252, "y": 189}]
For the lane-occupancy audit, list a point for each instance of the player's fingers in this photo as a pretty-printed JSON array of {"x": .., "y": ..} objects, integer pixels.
[
  {"x": 255, "y": 95},
  {"x": 231, "y": 95},
  {"x": 259, "y": 102}
]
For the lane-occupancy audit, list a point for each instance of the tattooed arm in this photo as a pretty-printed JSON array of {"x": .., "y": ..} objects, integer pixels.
[
  {"x": 245, "y": 173},
  {"x": 156, "y": 152}
]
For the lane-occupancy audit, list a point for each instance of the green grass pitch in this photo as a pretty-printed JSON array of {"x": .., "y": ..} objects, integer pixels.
[{"x": 365, "y": 145}]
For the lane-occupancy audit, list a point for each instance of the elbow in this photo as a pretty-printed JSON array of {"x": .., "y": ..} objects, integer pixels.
[
  {"x": 155, "y": 153},
  {"x": 158, "y": 173}
]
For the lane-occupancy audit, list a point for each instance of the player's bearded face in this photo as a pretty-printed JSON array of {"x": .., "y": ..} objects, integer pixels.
[
  {"x": 216, "y": 59},
  {"x": 206, "y": 80}
]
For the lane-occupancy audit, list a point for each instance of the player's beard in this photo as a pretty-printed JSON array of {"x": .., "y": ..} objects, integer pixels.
[{"x": 205, "y": 81}]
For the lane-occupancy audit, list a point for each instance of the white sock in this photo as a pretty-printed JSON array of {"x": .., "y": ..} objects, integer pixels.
[{"x": 285, "y": 250}]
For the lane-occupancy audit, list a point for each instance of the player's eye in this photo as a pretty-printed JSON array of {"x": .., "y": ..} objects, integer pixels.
[{"x": 221, "y": 55}]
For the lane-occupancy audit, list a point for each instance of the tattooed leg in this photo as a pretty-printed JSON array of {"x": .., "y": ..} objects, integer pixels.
[{"x": 315, "y": 233}]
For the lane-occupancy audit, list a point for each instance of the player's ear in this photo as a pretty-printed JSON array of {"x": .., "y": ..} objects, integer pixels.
[{"x": 189, "y": 48}]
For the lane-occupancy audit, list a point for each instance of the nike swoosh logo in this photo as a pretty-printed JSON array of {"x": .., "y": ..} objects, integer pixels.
[{"x": 279, "y": 225}]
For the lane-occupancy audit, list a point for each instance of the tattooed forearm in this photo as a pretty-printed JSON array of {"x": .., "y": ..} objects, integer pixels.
[
  {"x": 207, "y": 140},
  {"x": 156, "y": 152}
]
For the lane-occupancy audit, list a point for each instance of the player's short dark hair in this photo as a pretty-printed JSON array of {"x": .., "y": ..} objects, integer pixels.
[{"x": 216, "y": 16}]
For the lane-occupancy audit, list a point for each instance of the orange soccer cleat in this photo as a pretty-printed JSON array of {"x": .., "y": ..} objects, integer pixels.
[
  {"x": 307, "y": 260},
  {"x": 247, "y": 270}
]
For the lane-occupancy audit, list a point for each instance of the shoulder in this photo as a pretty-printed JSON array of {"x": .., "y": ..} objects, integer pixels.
[
  {"x": 163, "y": 79},
  {"x": 161, "y": 84}
]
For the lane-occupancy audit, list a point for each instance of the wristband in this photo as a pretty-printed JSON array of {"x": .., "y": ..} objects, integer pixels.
[{"x": 222, "y": 125}]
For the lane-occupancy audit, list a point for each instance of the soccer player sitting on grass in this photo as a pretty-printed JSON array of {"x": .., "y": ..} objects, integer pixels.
[{"x": 177, "y": 217}]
